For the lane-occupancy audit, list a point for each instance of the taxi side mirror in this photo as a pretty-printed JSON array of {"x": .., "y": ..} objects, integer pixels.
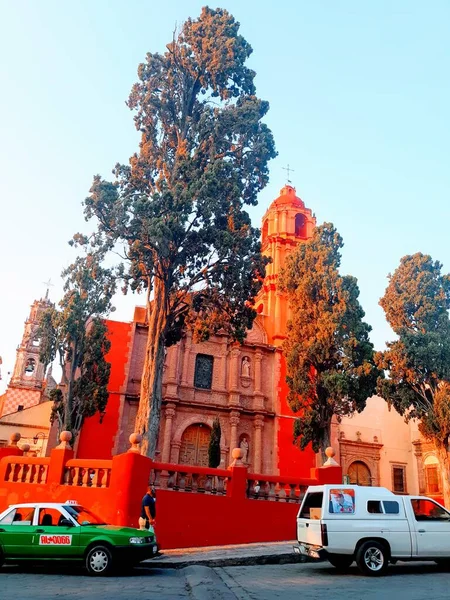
[{"x": 65, "y": 523}]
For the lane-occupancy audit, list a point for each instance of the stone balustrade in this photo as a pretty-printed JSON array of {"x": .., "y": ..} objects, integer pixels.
[
  {"x": 25, "y": 469},
  {"x": 88, "y": 473},
  {"x": 184, "y": 478}
]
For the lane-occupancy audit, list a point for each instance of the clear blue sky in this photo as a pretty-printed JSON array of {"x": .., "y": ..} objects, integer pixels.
[{"x": 359, "y": 95}]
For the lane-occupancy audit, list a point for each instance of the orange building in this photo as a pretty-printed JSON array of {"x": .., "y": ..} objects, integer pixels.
[{"x": 242, "y": 385}]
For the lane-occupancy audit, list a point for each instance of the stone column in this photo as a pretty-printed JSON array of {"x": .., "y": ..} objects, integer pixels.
[
  {"x": 175, "y": 452},
  {"x": 258, "y": 359},
  {"x": 420, "y": 467},
  {"x": 170, "y": 414},
  {"x": 258, "y": 425},
  {"x": 234, "y": 422}
]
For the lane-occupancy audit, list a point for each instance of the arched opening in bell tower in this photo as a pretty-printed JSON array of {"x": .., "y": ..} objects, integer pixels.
[{"x": 300, "y": 225}]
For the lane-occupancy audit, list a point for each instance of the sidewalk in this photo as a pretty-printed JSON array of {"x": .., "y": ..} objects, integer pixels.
[{"x": 227, "y": 556}]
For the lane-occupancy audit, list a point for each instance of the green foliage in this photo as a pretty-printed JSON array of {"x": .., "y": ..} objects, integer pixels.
[
  {"x": 76, "y": 335},
  {"x": 329, "y": 357},
  {"x": 214, "y": 445},
  {"x": 417, "y": 364},
  {"x": 178, "y": 207}
]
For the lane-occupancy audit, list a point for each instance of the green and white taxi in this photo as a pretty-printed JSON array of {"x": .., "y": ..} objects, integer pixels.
[{"x": 69, "y": 532}]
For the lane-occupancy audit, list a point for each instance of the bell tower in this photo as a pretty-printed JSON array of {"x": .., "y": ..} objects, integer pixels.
[
  {"x": 28, "y": 378},
  {"x": 286, "y": 224}
]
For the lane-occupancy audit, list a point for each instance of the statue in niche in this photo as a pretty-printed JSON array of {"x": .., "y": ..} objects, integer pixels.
[
  {"x": 244, "y": 447},
  {"x": 245, "y": 369}
]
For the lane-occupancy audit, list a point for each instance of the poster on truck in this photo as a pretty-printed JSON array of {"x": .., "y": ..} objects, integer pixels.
[{"x": 342, "y": 501}]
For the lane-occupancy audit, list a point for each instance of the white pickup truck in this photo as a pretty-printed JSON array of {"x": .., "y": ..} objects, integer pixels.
[{"x": 372, "y": 526}]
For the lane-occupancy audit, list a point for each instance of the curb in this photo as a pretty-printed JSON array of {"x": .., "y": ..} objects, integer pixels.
[{"x": 232, "y": 561}]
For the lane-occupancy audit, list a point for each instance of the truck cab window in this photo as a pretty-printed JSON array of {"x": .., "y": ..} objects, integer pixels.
[
  {"x": 313, "y": 500},
  {"x": 427, "y": 510}
]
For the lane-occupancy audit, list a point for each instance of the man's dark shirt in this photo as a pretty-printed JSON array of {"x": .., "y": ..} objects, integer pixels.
[{"x": 147, "y": 500}]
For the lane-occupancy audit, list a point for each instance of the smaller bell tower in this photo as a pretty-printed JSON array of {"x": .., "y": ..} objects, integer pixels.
[
  {"x": 28, "y": 379},
  {"x": 286, "y": 224}
]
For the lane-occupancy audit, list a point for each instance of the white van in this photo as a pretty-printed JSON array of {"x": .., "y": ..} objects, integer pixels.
[{"x": 372, "y": 526}]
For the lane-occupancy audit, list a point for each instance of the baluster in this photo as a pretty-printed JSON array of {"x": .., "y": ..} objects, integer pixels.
[
  {"x": 209, "y": 485},
  {"x": 194, "y": 485},
  {"x": 84, "y": 477},
  {"x": 11, "y": 468},
  {"x": 171, "y": 483},
  {"x": 28, "y": 474},
  {"x": 302, "y": 492},
  {"x": 282, "y": 493},
  {"x": 220, "y": 488},
  {"x": 156, "y": 479},
  {"x": 182, "y": 482},
  {"x": 44, "y": 471},
  {"x": 272, "y": 494},
  {"x": 36, "y": 473},
  {"x": 76, "y": 476},
  {"x": 94, "y": 481},
  {"x": 20, "y": 473}
]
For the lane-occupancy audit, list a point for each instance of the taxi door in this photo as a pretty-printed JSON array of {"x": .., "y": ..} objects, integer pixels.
[
  {"x": 16, "y": 532},
  {"x": 53, "y": 540}
]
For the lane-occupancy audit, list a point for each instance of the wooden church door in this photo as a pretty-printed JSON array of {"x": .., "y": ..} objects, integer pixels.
[{"x": 194, "y": 445}]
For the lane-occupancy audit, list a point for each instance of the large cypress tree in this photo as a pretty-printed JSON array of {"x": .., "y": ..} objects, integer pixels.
[
  {"x": 329, "y": 357},
  {"x": 417, "y": 364},
  {"x": 214, "y": 445},
  {"x": 178, "y": 206}
]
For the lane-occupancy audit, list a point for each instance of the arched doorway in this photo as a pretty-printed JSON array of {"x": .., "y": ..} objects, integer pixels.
[
  {"x": 194, "y": 445},
  {"x": 359, "y": 473}
]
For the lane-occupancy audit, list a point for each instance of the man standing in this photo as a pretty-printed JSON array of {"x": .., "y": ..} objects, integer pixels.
[{"x": 148, "y": 510}]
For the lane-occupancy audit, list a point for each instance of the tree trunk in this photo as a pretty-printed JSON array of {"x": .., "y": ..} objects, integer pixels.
[
  {"x": 444, "y": 465},
  {"x": 325, "y": 443},
  {"x": 149, "y": 413},
  {"x": 68, "y": 409}
]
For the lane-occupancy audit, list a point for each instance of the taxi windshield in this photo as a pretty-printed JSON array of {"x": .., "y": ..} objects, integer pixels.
[{"x": 83, "y": 516}]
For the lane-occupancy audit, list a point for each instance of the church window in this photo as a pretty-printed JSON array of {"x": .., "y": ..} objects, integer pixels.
[
  {"x": 399, "y": 479},
  {"x": 20, "y": 407},
  {"x": 300, "y": 225},
  {"x": 203, "y": 371},
  {"x": 30, "y": 366}
]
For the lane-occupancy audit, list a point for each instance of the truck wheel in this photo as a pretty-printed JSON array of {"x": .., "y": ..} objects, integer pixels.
[
  {"x": 340, "y": 561},
  {"x": 372, "y": 558},
  {"x": 99, "y": 561}
]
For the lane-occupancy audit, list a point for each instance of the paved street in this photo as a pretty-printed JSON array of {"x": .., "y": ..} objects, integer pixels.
[{"x": 414, "y": 581}]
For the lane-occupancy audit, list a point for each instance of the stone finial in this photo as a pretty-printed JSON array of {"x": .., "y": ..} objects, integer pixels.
[
  {"x": 14, "y": 438},
  {"x": 25, "y": 448},
  {"x": 237, "y": 455},
  {"x": 135, "y": 440},
  {"x": 330, "y": 462},
  {"x": 65, "y": 438}
]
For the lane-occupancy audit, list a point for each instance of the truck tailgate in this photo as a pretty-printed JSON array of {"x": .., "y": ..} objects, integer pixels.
[{"x": 309, "y": 531}]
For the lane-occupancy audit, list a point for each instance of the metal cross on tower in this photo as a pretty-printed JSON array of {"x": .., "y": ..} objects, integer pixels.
[
  {"x": 47, "y": 284},
  {"x": 289, "y": 170}
]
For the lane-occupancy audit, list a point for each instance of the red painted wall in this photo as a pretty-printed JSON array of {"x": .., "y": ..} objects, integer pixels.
[
  {"x": 97, "y": 439},
  {"x": 184, "y": 519},
  {"x": 292, "y": 462}
]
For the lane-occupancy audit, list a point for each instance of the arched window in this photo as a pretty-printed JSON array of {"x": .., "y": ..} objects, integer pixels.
[
  {"x": 203, "y": 371},
  {"x": 300, "y": 225},
  {"x": 359, "y": 473},
  {"x": 30, "y": 367}
]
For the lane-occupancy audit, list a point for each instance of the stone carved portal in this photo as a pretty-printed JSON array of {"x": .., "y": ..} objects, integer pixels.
[
  {"x": 194, "y": 445},
  {"x": 355, "y": 455}
]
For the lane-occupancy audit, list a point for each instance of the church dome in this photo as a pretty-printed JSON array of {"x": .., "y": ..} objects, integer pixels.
[{"x": 288, "y": 197}]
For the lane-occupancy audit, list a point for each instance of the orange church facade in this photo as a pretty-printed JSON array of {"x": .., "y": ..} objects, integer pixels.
[{"x": 243, "y": 385}]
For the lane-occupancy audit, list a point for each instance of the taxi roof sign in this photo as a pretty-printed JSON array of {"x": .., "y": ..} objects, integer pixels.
[{"x": 70, "y": 502}]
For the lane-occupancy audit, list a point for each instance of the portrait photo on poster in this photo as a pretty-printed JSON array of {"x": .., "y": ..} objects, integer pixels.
[{"x": 342, "y": 501}]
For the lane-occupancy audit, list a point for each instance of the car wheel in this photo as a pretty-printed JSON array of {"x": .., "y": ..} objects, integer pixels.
[
  {"x": 99, "y": 560},
  {"x": 372, "y": 558},
  {"x": 340, "y": 561}
]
